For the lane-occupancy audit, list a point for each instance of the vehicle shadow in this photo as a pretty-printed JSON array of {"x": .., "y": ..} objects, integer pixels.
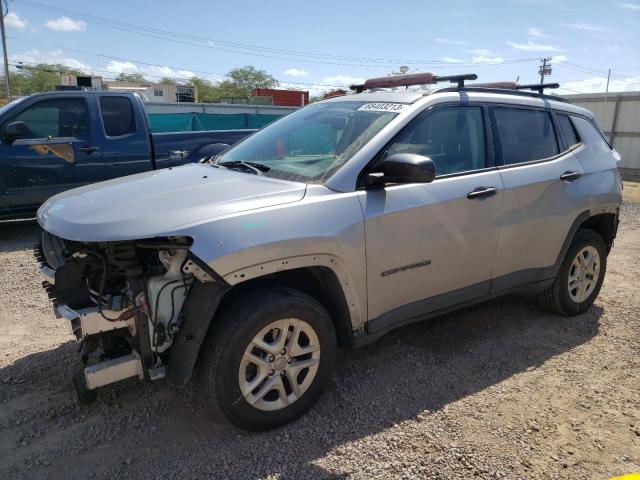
[
  {"x": 18, "y": 235},
  {"x": 155, "y": 431}
]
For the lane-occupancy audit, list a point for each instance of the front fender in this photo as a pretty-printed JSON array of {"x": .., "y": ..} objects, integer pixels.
[{"x": 324, "y": 229}]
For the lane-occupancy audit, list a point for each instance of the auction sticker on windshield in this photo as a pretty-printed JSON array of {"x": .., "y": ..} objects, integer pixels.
[{"x": 383, "y": 107}]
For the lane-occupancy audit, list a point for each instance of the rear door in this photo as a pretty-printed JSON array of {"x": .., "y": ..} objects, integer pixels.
[
  {"x": 544, "y": 193},
  {"x": 59, "y": 152},
  {"x": 126, "y": 146}
]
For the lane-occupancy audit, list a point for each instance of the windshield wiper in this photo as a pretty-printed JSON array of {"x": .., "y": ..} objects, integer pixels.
[{"x": 259, "y": 168}]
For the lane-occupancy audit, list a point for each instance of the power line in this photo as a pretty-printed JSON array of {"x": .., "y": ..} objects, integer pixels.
[
  {"x": 123, "y": 59},
  {"x": 247, "y": 49}
]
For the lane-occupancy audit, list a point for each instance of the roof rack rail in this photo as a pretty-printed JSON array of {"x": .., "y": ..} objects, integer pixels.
[
  {"x": 410, "y": 79},
  {"x": 486, "y": 88}
]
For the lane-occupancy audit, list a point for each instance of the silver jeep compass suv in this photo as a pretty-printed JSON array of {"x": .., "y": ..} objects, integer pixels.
[{"x": 331, "y": 226}]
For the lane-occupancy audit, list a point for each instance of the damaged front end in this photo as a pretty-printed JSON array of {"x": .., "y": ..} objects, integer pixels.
[{"x": 127, "y": 303}]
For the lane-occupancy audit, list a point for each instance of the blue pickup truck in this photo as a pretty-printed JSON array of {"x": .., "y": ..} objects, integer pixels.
[{"x": 55, "y": 141}]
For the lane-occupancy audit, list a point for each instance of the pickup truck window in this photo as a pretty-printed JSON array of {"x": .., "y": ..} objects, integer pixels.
[
  {"x": 117, "y": 116},
  {"x": 310, "y": 144},
  {"x": 59, "y": 117}
]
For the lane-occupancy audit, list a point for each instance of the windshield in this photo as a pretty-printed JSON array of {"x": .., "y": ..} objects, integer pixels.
[{"x": 310, "y": 144}]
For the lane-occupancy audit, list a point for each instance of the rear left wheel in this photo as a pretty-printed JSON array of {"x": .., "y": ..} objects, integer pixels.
[{"x": 580, "y": 276}]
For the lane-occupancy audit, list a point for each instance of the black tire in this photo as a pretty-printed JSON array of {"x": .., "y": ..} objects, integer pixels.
[
  {"x": 227, "y": 340},
  {"x": 557, "y": 298}
]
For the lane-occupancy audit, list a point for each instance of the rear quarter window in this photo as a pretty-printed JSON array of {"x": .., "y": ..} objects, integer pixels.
[
  {"x": 525, "y": 135},
  {"x": 568, "y": 130},
  {"x": 117, "y": 116},
  {"x": 590, "y": 136}
]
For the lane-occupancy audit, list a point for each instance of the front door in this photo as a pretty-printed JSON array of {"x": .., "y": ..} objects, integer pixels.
[
  {"x": 433, "y": 245},
  {"x": 57, "y": 154}
]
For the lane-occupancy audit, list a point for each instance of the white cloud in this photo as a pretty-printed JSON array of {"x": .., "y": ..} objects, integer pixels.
[
  {"x": 342, "y": 80},
  {"x": 451, "y": 42},
  {"x": 533, "y": 47},
  {"x": 152, "y": 72},
  {"x": 629, "y": 6},
  {"x": 485, "y": 59},
  {"x": 482, "y": 52},
  {"x": 296, "y": 72},
  {"x": 65, "y": 24},
  {"x": 599, "y": 84},
  {"x": 614, "y": 49},
  {"x": 32, "y": 57},
  {"x": 451, "y": 60},
  {"x": 537, "y": 32},
  {"x": 14, "y": 20},
  {"x": 586, "y": 27},
  {"x": 559, "y": 58},
  {"x": 122, "y": 67}
]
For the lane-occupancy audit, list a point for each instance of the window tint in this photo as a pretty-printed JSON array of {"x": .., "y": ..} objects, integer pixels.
[
  {"x": 117, "y": 116},
  {"x": 590, "y": 136},
  {"x": 525, "y": 135},
  {"x": 453, "y": 137},
  {"x": 60, "y": 117},
  {"x": 568, "y": 130}
]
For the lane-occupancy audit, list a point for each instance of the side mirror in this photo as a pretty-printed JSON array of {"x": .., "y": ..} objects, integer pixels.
[
  {"x": 15, "y": 130},
  {"x": 405, "y": 168}
]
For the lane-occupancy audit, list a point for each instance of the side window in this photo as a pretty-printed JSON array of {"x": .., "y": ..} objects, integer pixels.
[
  {"x": 117, "y": 116},
  {"x": 525, "y": 135},
  {"x": 591, "y": 137},
  {"x": 453, "y": 137},
  {"x": 568, "y": 129},
  {"x": 56, "y": 118}
]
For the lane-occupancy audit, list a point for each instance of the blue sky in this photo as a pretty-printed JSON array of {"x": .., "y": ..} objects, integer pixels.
[{"x": 332, "y": 43}]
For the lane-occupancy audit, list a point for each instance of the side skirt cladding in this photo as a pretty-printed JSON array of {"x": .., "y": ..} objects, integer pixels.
[{"x": 200, "y": 307}]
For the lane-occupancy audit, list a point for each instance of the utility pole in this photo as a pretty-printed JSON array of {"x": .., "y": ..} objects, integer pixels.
[
  {"x": 544, "y": 69},
  {"x": 606, "y": 91},
  {"x": 4, "y": 48}
]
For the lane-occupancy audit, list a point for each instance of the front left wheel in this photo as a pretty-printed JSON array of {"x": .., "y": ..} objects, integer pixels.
[{"x": 267, "y": 358}]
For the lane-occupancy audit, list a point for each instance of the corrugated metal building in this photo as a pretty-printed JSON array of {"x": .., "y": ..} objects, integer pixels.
[{"x": 619, "y": 117}]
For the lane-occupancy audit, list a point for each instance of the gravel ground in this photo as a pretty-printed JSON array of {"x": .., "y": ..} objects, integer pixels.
[{"x": 502, "y": 390}]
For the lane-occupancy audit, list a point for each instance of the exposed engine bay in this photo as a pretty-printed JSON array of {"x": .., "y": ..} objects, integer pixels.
[{"x": 124, "y": 301}]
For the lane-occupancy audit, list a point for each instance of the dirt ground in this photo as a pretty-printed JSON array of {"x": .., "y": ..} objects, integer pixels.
[{"x": 502, "y": 390}]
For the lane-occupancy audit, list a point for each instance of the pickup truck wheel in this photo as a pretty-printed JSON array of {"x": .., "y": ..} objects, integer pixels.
[
  {"x": 268, "y": 358},
  {"x": 580, "y": 276}
]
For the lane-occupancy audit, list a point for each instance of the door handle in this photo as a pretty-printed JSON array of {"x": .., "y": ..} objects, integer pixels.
[
  {"x": 570, "y": 176},
  {"x": 482, "y": 192},
  {"x": 88, "y": 149},
  {"x": 177, "y": 154}
]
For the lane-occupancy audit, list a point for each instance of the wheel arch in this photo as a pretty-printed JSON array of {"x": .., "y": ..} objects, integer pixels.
[{"x": 318, "y": 281}]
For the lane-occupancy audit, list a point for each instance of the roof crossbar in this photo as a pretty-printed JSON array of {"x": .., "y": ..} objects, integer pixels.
[
  {"x": 538, "y": 87},
  {"x": 410, "y": 79}
]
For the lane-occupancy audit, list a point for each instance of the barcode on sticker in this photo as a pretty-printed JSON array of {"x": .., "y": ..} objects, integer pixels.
[{"x": 383, "y": 107}]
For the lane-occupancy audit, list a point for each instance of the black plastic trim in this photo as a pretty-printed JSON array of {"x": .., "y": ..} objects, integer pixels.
[{"x": 200, "y": 307}]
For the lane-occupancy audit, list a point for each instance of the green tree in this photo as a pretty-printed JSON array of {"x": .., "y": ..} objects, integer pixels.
[
  {"x": 43, "y": 77},
  {"x": 249, "y": 77},
  {"x": 132, "y": 77},
  {"x": 240, "y": 84},
  {"x": 206, "y": 89},
  {"x": 168, "y": 81}
]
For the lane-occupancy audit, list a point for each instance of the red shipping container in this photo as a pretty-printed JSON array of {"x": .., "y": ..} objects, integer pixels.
[{"x": 284, "y": 98}]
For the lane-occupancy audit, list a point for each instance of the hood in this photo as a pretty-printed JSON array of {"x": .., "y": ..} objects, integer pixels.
[{"x": 157, "y": 203}]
